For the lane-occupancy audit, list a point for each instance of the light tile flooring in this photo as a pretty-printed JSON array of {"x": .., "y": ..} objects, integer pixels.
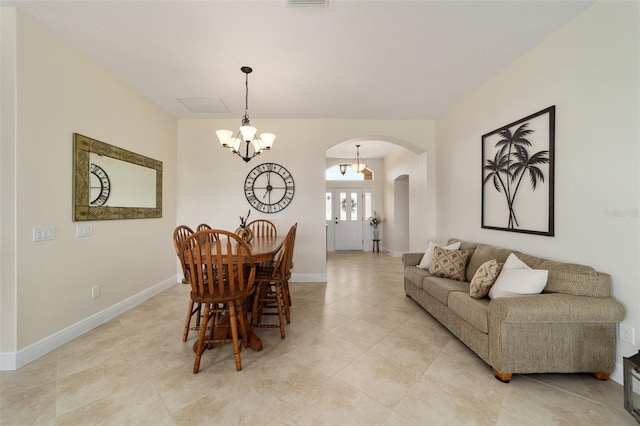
[{"x": 357, "y": 352}]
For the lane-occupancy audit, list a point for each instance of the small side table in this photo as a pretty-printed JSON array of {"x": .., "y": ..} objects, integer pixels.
[{"x": 376, "y": 246}]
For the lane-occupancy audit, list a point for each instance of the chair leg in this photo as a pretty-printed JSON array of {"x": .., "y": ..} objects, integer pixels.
[
  {"x": 256, "y": 305},
  {"x": 287, "y": 293},
  {"x": 234, "y": 335},
  {"x": 279, "y": 304},
  {"x": 243, "y": 324},
  {"x": 190, "y": 313},
  {"x": 286, "y": 297},
  {"x": 187, "y": 323},
  {"x": 200, "y": 343}
]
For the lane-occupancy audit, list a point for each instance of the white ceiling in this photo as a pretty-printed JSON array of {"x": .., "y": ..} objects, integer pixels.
[{"x": 349, "y": 59}]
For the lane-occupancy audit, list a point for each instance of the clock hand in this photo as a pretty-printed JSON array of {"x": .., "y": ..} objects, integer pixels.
[{"x": 269, "y": 187}]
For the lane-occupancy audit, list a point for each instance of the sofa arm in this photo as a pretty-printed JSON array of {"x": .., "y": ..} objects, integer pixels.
[
  {"x": 555, "y": 308},
  {"x": 411, "y": 259},
  {"x": 553, "y": 333}
]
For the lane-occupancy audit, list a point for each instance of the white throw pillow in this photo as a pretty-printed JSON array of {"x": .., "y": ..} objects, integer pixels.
[
  {"x": 517, "y": 278},
  {"x": 427, "y": 258}
]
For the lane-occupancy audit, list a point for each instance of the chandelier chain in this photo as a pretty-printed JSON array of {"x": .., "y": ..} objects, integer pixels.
[{"x": 246, "y": 95}]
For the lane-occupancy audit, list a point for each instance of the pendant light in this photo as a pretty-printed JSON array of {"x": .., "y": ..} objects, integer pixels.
[
  {"x": 246, "y": 144},
  {"x": 358, "y": 165}
]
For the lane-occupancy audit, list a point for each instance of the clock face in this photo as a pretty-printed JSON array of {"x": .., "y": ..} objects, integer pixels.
[
  {"x": 99, "y": 185},
  {"x": 269, "y": 187}
]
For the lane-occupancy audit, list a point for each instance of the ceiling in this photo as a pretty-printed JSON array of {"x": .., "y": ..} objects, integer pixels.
[{"x": 343, "y": 60}]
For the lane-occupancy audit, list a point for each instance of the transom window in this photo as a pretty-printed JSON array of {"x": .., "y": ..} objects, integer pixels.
[{"x": 333, "y": 173}]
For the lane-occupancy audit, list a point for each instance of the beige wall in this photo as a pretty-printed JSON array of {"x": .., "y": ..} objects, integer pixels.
[
  {"x": 59, "y": 92},
  {"x": 210, "y": 182},
  {"x": 8, "y": 58},
  {"x": 420, "y": 169},
  {"x": 589, "y": 70}
]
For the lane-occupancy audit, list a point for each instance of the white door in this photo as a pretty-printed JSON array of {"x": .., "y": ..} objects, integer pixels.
[{"x": 347, "y": 218}]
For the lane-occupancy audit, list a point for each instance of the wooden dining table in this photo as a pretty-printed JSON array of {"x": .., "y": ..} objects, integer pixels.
[{"x": 263, "y": 249}]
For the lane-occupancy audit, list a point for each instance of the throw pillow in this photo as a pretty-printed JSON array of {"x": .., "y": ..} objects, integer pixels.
[
  {"x": 517, "y": 278},
  {"x": 484, "y": 278},
  {"x": 449, "y": 263},
  {"x": 425, "y": 263}
]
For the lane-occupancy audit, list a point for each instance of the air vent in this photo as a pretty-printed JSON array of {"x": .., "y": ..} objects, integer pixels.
[
  {"x": 307, "y": 2},
  {"x": 204, "y": 105}
]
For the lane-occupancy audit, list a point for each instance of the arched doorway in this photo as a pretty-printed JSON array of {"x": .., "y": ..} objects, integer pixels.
[{"x": 393, "y": 172}]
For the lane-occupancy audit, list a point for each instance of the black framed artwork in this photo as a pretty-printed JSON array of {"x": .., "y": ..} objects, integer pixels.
[{"x": 518, "y": 175}]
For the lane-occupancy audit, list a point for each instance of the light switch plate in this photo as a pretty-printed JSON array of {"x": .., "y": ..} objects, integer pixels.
[
  {"x": 83, "y": 230},
  {"x": 43, "y": 233}
]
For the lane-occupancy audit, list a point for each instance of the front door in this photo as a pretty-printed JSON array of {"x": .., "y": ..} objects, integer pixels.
[{"x": 347, "y": 218}]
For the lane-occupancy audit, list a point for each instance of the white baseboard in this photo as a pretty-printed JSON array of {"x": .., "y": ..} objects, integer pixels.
[
  {"x": 15, "y": 360},
  {"x": 396, "y": 253},
  {"x": 309, "y": 278},
  {"x": 618, "y": 374}
]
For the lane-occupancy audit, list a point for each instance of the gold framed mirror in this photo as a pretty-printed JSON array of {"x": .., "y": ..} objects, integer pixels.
[{"x": 113, "y": 183}]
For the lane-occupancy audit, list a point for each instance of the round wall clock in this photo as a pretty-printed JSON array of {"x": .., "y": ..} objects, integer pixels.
[
  {"x": 269, "y": 187},
  {"x": 99, "y": 185}
]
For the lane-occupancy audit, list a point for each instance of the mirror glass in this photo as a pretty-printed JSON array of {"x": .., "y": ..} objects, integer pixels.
[{"x": 113, "y": 183}]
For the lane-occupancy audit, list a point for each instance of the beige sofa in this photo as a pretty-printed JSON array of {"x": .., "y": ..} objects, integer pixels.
[{"x": 570, "y": 327}]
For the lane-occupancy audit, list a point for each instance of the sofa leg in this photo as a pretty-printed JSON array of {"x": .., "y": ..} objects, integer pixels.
[
  {"x": 601, "y": 375},
  {"x": 503, "y": 377}
]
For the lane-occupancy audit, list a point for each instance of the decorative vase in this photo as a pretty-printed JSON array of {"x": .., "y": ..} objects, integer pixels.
[
  {"x": 376, "y": 234},
  {"x": 245, "y": 233}
]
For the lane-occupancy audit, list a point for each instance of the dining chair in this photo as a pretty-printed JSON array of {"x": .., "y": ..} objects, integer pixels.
[
  {"x": 180, "y": 234},
  {"x": 272, "y": 287},
  {"x": 205, "y": 227},
  {"x": 222, "y": 277},
  {"x": 263, "y": 228}
]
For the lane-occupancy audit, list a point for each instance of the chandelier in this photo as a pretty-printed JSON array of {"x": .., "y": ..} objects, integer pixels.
[
  {"x": 246, "y": 144},
  {"x": 358, "y": 166}
]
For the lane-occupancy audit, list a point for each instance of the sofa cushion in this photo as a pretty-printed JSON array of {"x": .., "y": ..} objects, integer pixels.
[
  {"x": 475, "y": 312},
  {"x": 484, "y": 278},
  {"x": 449, "y": 263},
  {"x": 427, "y": 259},
  {"x": 415, "y": 275},
  {"x": 484, "y": 253},
  {"x": 440, "y": 288},
  {"x": 517, "y": 278}
]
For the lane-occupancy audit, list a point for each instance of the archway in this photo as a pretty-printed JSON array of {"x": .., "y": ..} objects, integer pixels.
[{"x": 397, "y": 191}]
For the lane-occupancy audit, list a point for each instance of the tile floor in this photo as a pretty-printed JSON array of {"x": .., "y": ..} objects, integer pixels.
[{"x": 357, "y": 352}]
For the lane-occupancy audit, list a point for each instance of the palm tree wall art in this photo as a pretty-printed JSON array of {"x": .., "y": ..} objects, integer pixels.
[{"x": 518, "y": 175}]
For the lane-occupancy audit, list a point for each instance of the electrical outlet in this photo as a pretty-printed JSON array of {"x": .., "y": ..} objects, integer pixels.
[
  {"x": 95, "y": 291},
  {"x": 627, "y": 333},
  {"x": 43, "y": 233},
  {"x": 83, "y": 230}
]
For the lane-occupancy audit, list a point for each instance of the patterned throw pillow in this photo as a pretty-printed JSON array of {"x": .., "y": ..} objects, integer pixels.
[
  {"x": 449, "y": 263},
  {"x": 484, "y": 278},
  {"x": 425, "y": 263}
]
